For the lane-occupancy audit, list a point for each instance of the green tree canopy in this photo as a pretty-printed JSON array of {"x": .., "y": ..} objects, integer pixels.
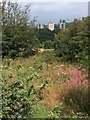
[
  {"x": 18, "y": 32},
  {"x": 72, "y": 44}
]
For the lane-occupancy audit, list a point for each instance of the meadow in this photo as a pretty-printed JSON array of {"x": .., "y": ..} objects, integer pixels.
[
  {"x": 44, "y": 73},
  {"x": 41, "y": 86}
]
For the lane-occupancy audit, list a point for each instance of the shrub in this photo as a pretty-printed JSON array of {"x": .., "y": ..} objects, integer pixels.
[
  {"x": 20, "y": 96},
  {"x": 71, "y": 45},
  {"x": 49, "y": 57},
  {"x": 49, "y": 44},
  {"x": 12, "y": 53},
  {"x": 18, "y": 100},
  {"x": 29, "y": 52}
]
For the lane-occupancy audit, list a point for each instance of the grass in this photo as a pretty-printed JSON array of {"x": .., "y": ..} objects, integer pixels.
[
  {"x": 48, "y": 74},
  {"x": 40, "y": 111}
]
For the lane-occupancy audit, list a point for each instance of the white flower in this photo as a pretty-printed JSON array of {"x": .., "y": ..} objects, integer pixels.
[
  {"x": 64, "y": 73},
  {"x": 62, "y": 65}
]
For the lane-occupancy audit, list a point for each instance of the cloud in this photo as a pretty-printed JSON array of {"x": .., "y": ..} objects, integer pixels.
[
  {"x": 27, "y": 1},
  {"x": 48, "y": 6},
  {"x": 54, "y": 11},
  {"x": 53, "y": 0}
]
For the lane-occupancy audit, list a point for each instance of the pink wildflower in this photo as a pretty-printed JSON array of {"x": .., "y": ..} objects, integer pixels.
[
  {"x": 69, "y": 86},
  {"x": 84, "y": 82}
]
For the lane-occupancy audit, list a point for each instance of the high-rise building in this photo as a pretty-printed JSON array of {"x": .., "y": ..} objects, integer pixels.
[
  {"x": 84, "y": 18},
  {"x": 62, "y": 24},
  {"x": 51, "y": 26},
  {"x": 40, "y": 26}
]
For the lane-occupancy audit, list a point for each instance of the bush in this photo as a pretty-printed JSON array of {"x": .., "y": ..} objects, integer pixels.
[
  {"x": 18, "y": 99},
  {"x": 21, "y": 95},
  {"x": 29, "y": 52},
  {"x": 49, "y": 57},
  {"x": 49, "y": 44},
  {"x": 12, "y": 53},
  {"x": 71, "y": 45}
]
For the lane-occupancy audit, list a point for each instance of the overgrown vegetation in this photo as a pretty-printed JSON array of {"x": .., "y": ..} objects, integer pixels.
[
  {"x": 43, "y": 83},
  {"x": 20, "y": 93},
  {"x": 51, "y": 83}
]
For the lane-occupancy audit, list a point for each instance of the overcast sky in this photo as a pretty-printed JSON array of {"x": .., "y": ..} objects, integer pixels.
[{"x": 54, "y": 10}]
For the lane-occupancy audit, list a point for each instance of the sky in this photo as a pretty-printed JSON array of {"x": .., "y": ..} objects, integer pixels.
[{"x": 54, "y": 10}]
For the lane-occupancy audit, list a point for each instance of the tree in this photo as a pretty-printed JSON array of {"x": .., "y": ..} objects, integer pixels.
[
  {"x": 72, "y": 43},
  {"x": 18, "y": 33},
  {"x": 45, "y": 34}
]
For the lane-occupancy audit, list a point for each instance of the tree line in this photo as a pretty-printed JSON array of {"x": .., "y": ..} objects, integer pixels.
[
  {"x": 21, "y": 38},
  {"x": 72, "y": 44}
]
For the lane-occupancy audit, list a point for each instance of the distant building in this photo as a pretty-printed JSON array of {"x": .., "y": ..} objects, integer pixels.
[
  {"x": 40, "y": 26},
  {"x": 51, "y": 26},
  {"x": 84, "y": 18},
  {"x": 62, "y": 24}
]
